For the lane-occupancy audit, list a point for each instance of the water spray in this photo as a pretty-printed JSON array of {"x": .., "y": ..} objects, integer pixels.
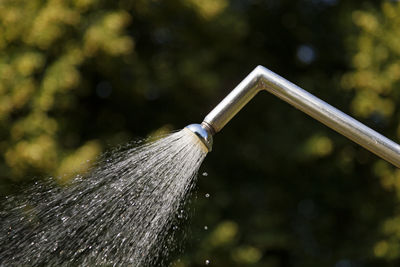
[{"x": 261, "y": 79}]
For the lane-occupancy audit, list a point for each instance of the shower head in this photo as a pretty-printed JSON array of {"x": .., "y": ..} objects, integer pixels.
[
  {"x": 263, "y": 79},
  {"x": 204, "y": 133}
]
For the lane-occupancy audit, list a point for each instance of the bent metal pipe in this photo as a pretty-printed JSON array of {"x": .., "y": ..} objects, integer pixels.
[{"x": 261, "y": 79}]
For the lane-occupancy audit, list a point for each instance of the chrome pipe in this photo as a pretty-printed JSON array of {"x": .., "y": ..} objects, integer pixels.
[{"x": 263, "y": 79}]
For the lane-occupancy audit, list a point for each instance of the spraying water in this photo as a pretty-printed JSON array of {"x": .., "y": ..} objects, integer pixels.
[{"x": 117, "y": 215}]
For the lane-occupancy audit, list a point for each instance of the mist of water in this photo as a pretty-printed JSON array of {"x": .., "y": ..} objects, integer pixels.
[{"x": 119, "y": 214}]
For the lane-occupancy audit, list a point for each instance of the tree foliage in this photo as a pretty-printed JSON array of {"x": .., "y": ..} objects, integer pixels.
[
  {"x": 45, "y": 47},
  {"x": 376, "y": 80}
]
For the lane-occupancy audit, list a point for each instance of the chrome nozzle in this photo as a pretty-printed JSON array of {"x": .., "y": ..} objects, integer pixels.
[
  {"x": 263, "y": 79},
  {"x": 204, "y": 133}
]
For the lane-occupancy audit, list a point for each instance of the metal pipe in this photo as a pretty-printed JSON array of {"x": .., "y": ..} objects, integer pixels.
[{"x": 263, "y": 79}]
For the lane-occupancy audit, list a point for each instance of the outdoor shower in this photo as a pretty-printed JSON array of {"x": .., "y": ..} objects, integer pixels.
[
  {"x": 126, "y": 210},
  {"x": 263, "y": 79}
]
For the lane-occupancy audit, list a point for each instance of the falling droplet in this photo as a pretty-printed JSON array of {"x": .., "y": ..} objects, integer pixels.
[
  {"x": 207, "y": 262},
  {"x": 205, "y": 227},
  {"x": 205, "y": 174},
  {"x": 207, "y": 195}
]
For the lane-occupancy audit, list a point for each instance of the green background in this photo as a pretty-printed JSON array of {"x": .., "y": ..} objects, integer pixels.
[{"x": 80, "y": 76}]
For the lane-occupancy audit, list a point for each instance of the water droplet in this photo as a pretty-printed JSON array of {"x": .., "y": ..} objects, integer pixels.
[
  {"x": 205, "y": 227},
  {"x": 207, "y": 262},
  {"x": 204, "y": 174},
  {"x": 207, "y": 195}
]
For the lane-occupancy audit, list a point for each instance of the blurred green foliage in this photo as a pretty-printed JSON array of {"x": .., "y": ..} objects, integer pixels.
[
  {"x": 79, "y": 76},
  {"x": 376, "y": 80},
  {"x": 44, "y": 46}
]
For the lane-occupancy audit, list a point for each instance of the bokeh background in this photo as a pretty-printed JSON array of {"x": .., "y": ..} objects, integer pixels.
[{"x": 80, "y": 76}]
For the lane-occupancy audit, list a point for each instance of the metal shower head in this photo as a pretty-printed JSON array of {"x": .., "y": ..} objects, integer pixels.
[
  {"x": 204, "y": 133},
  {"x": 263, "y": 79}
]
